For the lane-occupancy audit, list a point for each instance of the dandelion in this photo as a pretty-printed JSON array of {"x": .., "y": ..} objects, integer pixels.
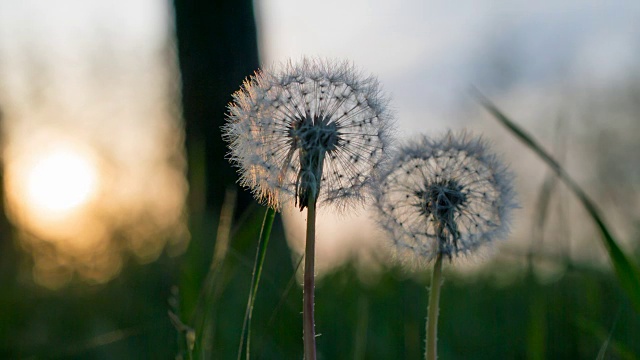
[
  {"x": 312, "y": 123},
  {"x": 312, "y": 132},
  {"x": 444, "y": 198}
]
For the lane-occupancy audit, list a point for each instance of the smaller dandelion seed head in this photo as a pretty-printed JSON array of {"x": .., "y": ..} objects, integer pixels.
[
  {"x": 315, "y": 129},
  {"x": 444, "y": 196}
]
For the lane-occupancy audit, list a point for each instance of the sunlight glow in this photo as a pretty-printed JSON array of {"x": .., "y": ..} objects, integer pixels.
[
  {"x": 92, "y": 147},
  {"x": 60, "y": 182}
]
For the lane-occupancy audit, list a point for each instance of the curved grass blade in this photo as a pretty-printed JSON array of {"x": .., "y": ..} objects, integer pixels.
[
  {"x": 283, "y": 297},
  {"x": 201, "y": 317},
  {"x": 286, "y": 291},
  {"x": 610, "y": 348},
  {"x": 261, "y": 251},
  {"x": 626, "y": 271}
]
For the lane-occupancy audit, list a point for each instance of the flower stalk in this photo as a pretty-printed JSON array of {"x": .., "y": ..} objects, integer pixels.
[
  {"x": 434, "y": 308},
  {"x": 309, "y": 332}
]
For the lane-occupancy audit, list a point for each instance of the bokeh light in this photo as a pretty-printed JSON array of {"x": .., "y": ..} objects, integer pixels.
[
  {"x": 60, "y": 182},
  {"x": 92, "y": 140}
]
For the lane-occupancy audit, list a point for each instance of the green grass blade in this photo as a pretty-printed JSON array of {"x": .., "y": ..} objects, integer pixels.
[
  {"x": 617, "y": 349},
  {"x": 201, "y": 317},
  {"x": 286, "y": 291},
  {"x": 261, "y": 251},
  {"x": 626, "y": 271}
]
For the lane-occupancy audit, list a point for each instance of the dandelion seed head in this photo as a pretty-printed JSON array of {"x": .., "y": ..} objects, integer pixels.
[
  {"x": 312, "y": 129},
  {"x": 444, "y": 196}
]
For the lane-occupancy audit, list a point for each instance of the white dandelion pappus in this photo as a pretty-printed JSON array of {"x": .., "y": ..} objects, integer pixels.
[
  {"x": 445, "y": 196},
  {"x": 312, "y": 123}
]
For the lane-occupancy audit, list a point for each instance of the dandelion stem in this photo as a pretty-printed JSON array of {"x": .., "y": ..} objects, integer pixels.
[
  {"x": 309, "y": 332},
  {"x": 434, "y": 307}
]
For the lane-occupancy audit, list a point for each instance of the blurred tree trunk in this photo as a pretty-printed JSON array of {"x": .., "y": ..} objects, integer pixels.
[{"x": 217, "y": 49}]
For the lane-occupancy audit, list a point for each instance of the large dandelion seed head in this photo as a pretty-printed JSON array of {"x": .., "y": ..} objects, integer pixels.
[
  {"x": 315, "y": 129},
  {"x": 444, "y": 196}
]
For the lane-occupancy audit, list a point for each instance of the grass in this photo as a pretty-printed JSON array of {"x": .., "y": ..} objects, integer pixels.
[
  {"x": 626, "y": 270},
  {"x": 582, "y": 313}
]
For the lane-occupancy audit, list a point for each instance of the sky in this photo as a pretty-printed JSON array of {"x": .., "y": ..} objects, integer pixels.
[
  {"x": 540, "y": 61},
  {"x": 428, "y": 53}
]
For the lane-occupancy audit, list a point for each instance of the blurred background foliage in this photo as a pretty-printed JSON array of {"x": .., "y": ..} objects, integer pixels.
[{"x": 180, "y": 261}]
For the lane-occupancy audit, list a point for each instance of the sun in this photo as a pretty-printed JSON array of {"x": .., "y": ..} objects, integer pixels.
[{"x": 60, "y": 181}]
